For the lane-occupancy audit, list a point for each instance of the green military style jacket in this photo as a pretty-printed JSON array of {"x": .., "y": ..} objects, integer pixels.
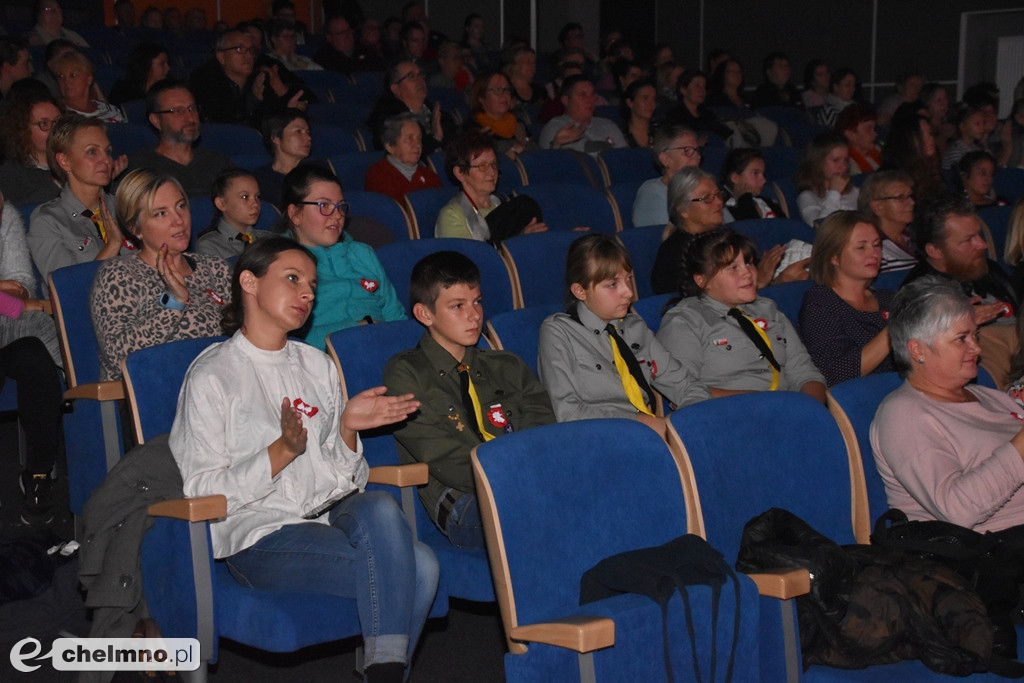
[{"x": 440, "y": 434}]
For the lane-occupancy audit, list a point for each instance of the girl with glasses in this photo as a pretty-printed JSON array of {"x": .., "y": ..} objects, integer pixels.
[{"x": 352, "y": 286}]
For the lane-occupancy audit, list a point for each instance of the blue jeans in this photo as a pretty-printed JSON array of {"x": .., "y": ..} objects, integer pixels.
[
  {"x": 463, "y": 526},
  {"x": 366, "y": 553}
]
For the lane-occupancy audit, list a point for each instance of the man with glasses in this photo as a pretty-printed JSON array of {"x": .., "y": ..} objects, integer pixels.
[
  {"x": 578, "y": 129},
  {"x": 230, "y": 89},
  {"x": 171, "y": 110},
  {"x": 407, "y": 92},
  {"x": 339, "y": 54}
]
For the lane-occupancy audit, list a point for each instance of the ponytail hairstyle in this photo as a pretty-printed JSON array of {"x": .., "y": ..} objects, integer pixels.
[
  {"x": 219, "y": 187},
  {"x": 256, "y": 259}
]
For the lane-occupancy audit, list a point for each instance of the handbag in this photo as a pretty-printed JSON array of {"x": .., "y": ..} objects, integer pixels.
[{"x": 659, "y": 572}]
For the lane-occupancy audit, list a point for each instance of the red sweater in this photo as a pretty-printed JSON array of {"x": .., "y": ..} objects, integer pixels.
[{"x": 383, "y": 177}]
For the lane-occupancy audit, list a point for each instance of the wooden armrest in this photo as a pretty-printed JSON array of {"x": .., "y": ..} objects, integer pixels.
[
  {"x": 582, "y": 633},
  {"x": 97, "y": 391},
  {"x": 782, "y": 583},
  {"x": 47, "y": 306},
  {"x": 191, "y": 509},
  {"x": 414, "y": 474}
]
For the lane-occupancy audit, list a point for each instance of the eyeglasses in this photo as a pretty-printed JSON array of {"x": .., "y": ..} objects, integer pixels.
[
  {"x": 901, "y": 198},
  {"x": 710, "y": 197},
  {"x": 486, "y": 166},
  {"x": 688, "y": 151},
  {"x": 414, "y": 75},
  {"x": 498, "y": 91},
  {"x": 328, "y": 208},
  {"x": 179, "y": 111},
  {"x": 45, "y": 125},
  {"x": 240, "y": 49}
]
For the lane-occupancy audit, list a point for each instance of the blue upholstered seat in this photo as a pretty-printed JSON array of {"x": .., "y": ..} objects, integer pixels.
[
  {"x": 552, "y": 512},
  {"x": 537, "y": 265},
  {"x": 518, "y": 331}
]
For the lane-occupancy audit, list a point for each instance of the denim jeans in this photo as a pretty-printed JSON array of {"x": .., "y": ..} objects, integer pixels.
[
  {"x": 463, "y": 527},
  {"x": 366, "y": 553}
]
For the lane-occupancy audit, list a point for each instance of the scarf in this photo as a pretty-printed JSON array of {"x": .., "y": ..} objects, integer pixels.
[
  {"x": 504, "y": 128},
  {"x": 407, "y": 170},
  {"x": 478, "y": 227}
]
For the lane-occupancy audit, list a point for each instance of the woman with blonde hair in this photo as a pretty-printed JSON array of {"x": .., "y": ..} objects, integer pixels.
[
  {"x": 162, "y": 293},
  {"x": 79, "y": 91}
]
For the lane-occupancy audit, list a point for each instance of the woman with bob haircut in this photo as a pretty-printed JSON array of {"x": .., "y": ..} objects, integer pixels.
[
  {"x": 843, "y": 319},
  {"x": 261, "y": 419},
  {"x": 162, "y": 293}
]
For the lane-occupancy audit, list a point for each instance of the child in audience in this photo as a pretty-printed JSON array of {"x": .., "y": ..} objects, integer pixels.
[
  {"x": 824, "y": 178},
  {"x": 599, "y": 359},
  {"x": 236, "y": 198},
  {"x": 353, "y": 288},
  {"x": 468, "y": 395},
  {"x": 261, "y": 419},
  {"x": 724, "y": 334}
]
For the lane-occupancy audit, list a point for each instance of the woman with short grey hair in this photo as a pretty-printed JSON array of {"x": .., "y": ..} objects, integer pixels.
[
  {"x": 675, "y": 147},
  {"x": 694, "y": 206},
  {"x": 947, "y": 449},
  {"x": 400, "y": 171}
]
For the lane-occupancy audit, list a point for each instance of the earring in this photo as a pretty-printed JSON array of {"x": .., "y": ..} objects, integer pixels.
[{"x": 920, "y": 360}]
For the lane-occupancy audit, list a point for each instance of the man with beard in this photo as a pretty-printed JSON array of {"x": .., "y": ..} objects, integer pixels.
[
  {"x": 950, "y": 244},
  {"x": 172, "y": 112}
]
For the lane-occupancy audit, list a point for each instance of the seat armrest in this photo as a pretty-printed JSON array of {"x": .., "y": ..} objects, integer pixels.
[
  {"x": 46, "y": 306},
  {"x": 581, "y": 634},
  {"x": 97, "y": 391},
  {"x": 191, "y": 509},
  {"x": 414, "y": 474},
  {"x": 782, "y": 583}
]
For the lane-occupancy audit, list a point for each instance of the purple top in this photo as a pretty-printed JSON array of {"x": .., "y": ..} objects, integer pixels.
[{"x": 835, "y": 332}]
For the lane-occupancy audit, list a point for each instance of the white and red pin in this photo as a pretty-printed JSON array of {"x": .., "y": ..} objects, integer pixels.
[
  {"x": 761, "y": 322},
  {"x": 369, "y": 285},
  {"x": 496, "y": 416},
  {"x": 128, "y": 245},
  {"x": 720, "y": 342},
  {"x": 654, "y": 369},
  {"x": 885, "y": 315},
  {"x": 215, "y": 297},
  {"x": 1018, "y": 416},
  {"x": 1007, "y": 309},
  {"x": 305, "y": 408}
]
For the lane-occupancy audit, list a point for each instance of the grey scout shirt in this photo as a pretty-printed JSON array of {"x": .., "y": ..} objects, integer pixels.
[
  {"x": 225, "y": 241},
  {"x": 577, "y": 367},
  {"x": 710, "y": 344},
  {"x": 61, "y": 235}
]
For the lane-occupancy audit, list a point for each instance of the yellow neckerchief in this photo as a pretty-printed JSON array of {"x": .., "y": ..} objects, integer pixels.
[
  {"x": 629, "y": 383},
  {"x": 775, "y": 373},
  {"x": 476, "y": 405}
]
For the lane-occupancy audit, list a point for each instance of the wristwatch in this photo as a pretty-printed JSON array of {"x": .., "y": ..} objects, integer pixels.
[{"x": 168, "y": 301}]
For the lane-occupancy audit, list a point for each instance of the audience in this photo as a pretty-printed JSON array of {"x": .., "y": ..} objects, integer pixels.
[
  {"x": 1013, "y": 253},
  {"x": 675, "y": 147},
  {"x": 147, "y": 65},
  {"x": 889, "y": 197},
  {"x": 446, "y": 299},
  {"x": 742, "y": 176},
  {"x": 25, "y": 125},
  {"x": 236, "y": 201},
  {"x": 975, "y": 176},
  {"x": 15, "y": 63},
  {"x": 639, "y": 100},
  {"x": 823, "y": 178},
  {"x": 161, "y": 293},
  {"x": 405, "y": 90},
  {"x": 691, "y": 111},
  {"x": 352, "y": 288},
  {"x": 599, "y": 359},
  {"x": 911, "y": 147},
  {"x": 761, "y": 349},
  {"x": 521, "y": 68},
  {"x": 287, "y": 137},
  {"x": 78, "y": 91},
  {"x": 908, "y": 89},
  {"x": 842, "y": 88},
  {"x": 950, "y": 245},
  {"x": 233, "y": 434},
  {"x": 857, "y": 124},
  {"x": 400, "y": 171},
  {"x": 78, "y": 226},
  {"x": 490, "y": 104},
  {"x": 578, "y": 129},
  {"x": 843, "y": 319},
  {"x": 339, "y": 54},
  {"x": 816, "y": 84},
  {"x": 174, "y": 115},
  {"x": 776, "y": 88},
  {"x": 50, "y": 25},
  {"x": 970, "y": 126},
  {"x": 281, "y": 36}
]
